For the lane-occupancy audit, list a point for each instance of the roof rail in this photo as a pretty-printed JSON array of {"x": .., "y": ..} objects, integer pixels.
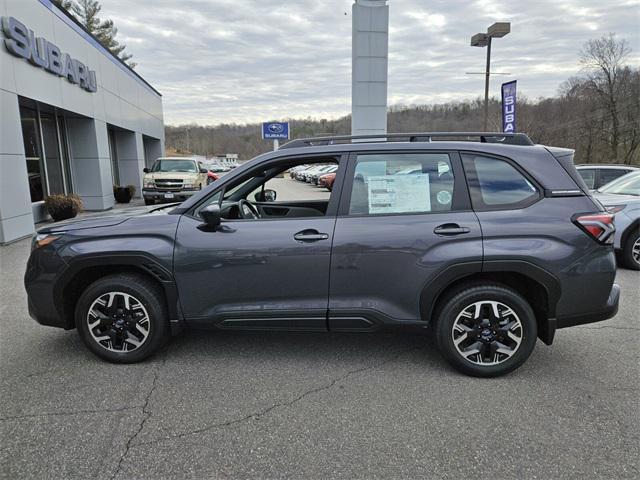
[{"x": 483, "y": 137}]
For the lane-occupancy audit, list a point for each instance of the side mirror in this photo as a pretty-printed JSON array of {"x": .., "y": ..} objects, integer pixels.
[
  {"x": 204, "y": 170},
  {"x": 146, "y": 170},
  {"x": 266, "y": 196},
  {"x": 211, "y": 215}
]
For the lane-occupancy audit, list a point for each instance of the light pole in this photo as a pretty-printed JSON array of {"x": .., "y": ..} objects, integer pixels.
[{"x": 497, "y": 30}]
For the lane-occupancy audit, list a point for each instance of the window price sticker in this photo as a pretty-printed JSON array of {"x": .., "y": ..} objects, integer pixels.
[{"x": 399, "y": 193}]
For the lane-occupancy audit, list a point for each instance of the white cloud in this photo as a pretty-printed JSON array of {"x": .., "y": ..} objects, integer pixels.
[{"x": 250, "y": 60}]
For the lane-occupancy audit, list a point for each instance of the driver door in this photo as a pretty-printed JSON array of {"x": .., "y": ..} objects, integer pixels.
[{"x": 268, "y": 273}]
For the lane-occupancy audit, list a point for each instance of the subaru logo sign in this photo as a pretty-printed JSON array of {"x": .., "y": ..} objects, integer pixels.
[{"x": 275, "y": 130}]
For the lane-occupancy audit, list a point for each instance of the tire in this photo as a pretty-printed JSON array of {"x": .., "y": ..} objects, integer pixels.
[
  {"x": 512, "y": 332},
  {"x": 149, "y": 201},
  {"x": 631, "y": 251},
  {"x": 124, "y": 341}
]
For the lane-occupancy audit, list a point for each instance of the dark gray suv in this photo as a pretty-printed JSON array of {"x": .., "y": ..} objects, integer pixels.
[{"x": 486, "y": 240}]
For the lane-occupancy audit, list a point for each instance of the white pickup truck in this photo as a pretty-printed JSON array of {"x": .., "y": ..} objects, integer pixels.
[{"x": 173, "y": 179}]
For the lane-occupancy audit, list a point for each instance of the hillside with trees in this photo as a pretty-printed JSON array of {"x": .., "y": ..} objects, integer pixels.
[{"x": 597, "y": 113}]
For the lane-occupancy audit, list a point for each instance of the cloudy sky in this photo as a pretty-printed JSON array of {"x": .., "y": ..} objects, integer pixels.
[{"x": 242, "y": 61}]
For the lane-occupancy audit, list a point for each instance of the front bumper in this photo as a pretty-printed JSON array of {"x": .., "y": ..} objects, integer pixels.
[
  {"x": 609, "y": 310},
  {"x": 169, "y": 196},
  {"x": 43, "y": 270}
]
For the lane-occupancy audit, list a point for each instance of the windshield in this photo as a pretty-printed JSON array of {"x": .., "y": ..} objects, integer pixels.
[
  {"x": 175, "y": 166},
  {"x": 628, "y": 184}
]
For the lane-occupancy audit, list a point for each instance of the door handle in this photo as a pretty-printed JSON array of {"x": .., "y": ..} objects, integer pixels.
[
  {"x": 450, "y": 229},
  {"x": 310, "y": 236}
]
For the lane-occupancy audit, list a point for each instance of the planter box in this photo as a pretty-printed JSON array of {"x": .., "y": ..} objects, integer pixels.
[{"x": 122, "y": 194}]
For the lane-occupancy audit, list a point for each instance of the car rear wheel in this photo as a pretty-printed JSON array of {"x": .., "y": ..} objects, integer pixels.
[
  {"x": 631, "y": 251},
  {"x": 122, "y": 318},
  {"x": 486, "y": 330}
]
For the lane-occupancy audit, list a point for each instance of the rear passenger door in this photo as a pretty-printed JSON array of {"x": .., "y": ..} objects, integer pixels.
[
  {"x": 404, "y": 219},
  {"x": 517, "y": 224}
]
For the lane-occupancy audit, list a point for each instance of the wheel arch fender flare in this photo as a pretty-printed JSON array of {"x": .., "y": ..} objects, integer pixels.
[
  {"x": 83, "y": 266},
  {"x": 492, "y": 270},
  {"x": 633, "y": 227}
]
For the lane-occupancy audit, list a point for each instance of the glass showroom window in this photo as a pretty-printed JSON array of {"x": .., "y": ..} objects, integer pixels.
[{"x": 46, "y": 152}]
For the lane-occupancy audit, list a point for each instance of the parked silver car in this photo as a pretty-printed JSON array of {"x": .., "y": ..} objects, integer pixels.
[
  {"x": 622, "y": 197},
  {"x": 598, "y": 175}
]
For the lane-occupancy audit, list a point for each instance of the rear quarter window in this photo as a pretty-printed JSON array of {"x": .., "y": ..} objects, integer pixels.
[
  {"x": 495, "y": 183},
  {"x": 589, "y": 177}
]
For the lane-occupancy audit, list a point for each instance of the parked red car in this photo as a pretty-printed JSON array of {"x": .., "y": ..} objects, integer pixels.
[
  {"x": 327, "y": 180},
  {"x": 212, "y": 177}
]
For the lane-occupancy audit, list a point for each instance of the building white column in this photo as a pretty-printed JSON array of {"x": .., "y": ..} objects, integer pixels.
[
  {"x": 370, "y": 46},
  {"x": 130, "y": 148},
  {"x": 90, "y": 162},
  {"x": 16, "y": 217},
  {"x": 153, "y": 149}
]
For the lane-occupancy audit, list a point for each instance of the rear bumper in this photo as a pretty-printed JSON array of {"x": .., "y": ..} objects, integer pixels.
[{"x": 609, "y": 310}]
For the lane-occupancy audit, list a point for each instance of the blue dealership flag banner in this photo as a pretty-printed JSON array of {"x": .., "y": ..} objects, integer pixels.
[
  {"x": 509, "y": 107},
  {"x": 275, "y": 130}
]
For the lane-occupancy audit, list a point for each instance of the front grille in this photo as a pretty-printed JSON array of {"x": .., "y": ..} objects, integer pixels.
[{"x": 168, "y": 184}]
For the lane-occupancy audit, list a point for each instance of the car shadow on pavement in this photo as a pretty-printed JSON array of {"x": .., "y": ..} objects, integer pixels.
[
  {"x": 214, "y": 346},
  {"x": 293, "y": 345}
]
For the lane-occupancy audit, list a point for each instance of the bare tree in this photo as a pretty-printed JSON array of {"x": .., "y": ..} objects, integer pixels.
[
  {"x": 86, "y": 12},
  {"x": 603, "y": 62}
]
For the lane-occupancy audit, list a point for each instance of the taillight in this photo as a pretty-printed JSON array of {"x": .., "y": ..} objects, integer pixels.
[{"x": 599, "y": 226}]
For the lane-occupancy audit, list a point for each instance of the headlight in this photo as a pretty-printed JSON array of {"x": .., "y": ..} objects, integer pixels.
[
  {"x": 149, "y": 184},
  {"x": 187, "y": 185},
  {"x": 615, "y": 208},
  {"x": 42, "y": 239}
]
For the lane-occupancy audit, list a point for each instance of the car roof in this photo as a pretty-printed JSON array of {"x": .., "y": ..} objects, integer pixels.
[{"x": 332, "y": 149}]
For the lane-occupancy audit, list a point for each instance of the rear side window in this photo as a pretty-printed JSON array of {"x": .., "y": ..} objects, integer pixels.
[
  {"x": 395, "y": 183},
  {"x": 496, "y": 183},
  {"x": 609, "y": 174}
]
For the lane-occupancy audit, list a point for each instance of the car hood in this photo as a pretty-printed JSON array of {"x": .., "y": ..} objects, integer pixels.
[
  {"x": 170, "y": 175},
  {"x": 609, "y": 199},
  {"x": 105, "y": 220}
]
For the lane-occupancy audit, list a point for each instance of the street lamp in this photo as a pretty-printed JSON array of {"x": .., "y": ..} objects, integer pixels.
[{"x": 497, "y": 30}]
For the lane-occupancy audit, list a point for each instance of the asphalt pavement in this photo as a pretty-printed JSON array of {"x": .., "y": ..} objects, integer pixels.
[{"x": 255, "y": 405}]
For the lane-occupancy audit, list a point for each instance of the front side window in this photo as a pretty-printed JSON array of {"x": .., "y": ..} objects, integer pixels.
[
  {"x": 497, "y": 183},
  {"x": 393, "y": 183},
  {"x": 175, "y": 166},
  {"x": 273, "y": 193}
]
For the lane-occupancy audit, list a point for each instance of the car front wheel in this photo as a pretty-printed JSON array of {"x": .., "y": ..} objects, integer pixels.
[
  {"x": 122, "y": 318},
  {"x": 486, "y": 330}
]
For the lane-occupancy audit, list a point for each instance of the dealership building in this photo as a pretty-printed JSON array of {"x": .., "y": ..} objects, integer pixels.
[{"x": 74, "y": 117}]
